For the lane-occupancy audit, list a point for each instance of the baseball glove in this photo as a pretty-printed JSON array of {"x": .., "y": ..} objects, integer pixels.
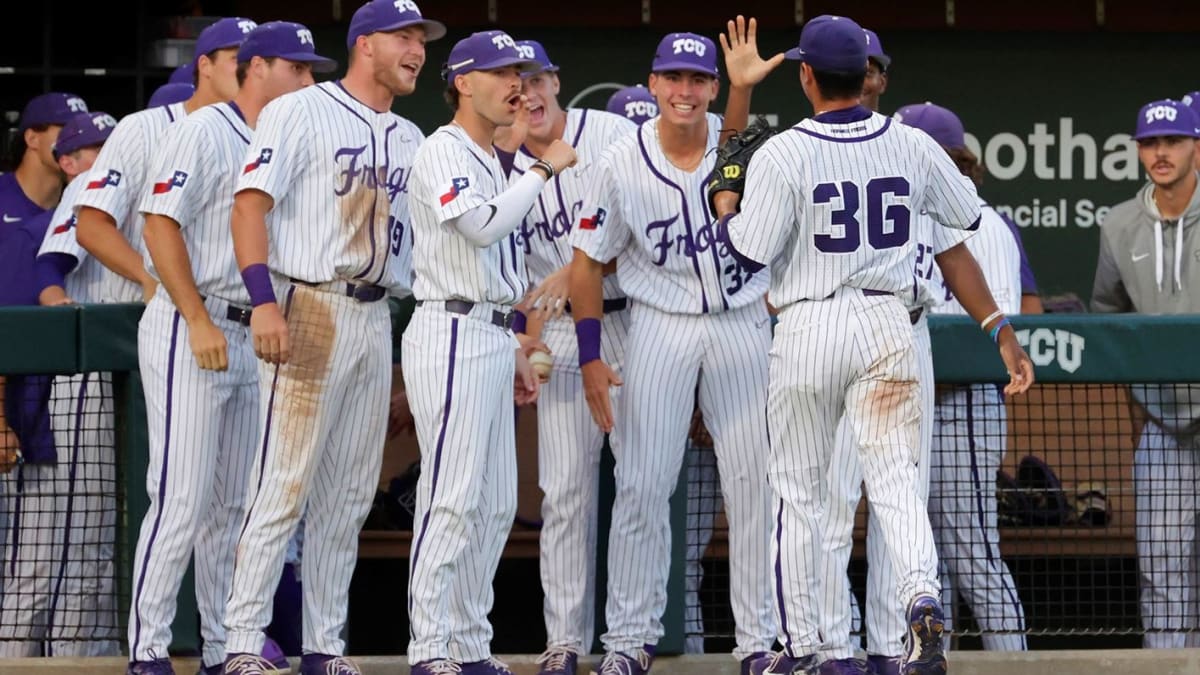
[{"x": 733, "y": 158}]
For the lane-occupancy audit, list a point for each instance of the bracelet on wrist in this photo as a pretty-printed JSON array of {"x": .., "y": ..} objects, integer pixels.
[
  {"x": 984, "y": 324},
  {"x": 545, "y": 166},
  {"x": 994, "y": 333}
]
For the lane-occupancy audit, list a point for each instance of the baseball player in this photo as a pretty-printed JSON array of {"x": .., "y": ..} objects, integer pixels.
[
  {"x": 35, "y": 185},
  {"x": 969, "y": 434},
  {"x": 568, "y": 443},
  {"x": 171, "y": 93},
  {"x": 859, "y": 168},
  {"x": 59, "y": 588},
  {"x": 459, "y": 356},
  {"x": 1145, "y": 266},
  {"x": 634, "y": 103},
  {"x": 324, "y": 181},
  {"x": 699, "y": 320},
  {"x": 195, "y": 353},
  {"x": 109, "y": 226}
]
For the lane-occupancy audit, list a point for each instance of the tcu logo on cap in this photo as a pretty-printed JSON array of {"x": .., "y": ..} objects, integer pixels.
[
  {"x": 526, "y": 51},
  {"x": 641, "y": 109},
  {"x": 76, "y": 104},
  {"x": 503, "y": 40},
  {"x": 305, "y": 36},
  {"x": 1161, "y": 112},
  {"x": 689, "y": 45},
  {"x": 247, "y": 26},
  {"x": 406, "y": 6},
  {"x": 103, "y": 122}
]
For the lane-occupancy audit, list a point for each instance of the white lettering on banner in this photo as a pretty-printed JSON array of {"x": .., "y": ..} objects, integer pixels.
[
  {"x": 1045, "y": 346},
  {"x": 689, "y": 45},
  {"x": 1007, "y": 154},
  {"x": 1054, "y": 214}
]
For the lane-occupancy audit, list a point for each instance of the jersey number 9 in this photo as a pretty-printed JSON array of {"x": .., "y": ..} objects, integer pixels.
[{"x": 887, "y": 224}]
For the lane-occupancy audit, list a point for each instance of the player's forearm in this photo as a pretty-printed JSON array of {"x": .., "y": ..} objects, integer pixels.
[
  {"x": 493, "y": 220},
  {"x": 737, "y": 111},
  {"x": 174, "y": 267},
  {"x": 97, "y": 233},
  {"x": 50, "y": 272},
  {"x": 248, "y": 228},
  {"x": 586, "y": 287},
  {"x": 965, "y": 280}
]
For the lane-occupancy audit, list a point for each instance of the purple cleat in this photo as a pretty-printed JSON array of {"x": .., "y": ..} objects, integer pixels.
[
  {"x": 620, "y": 663},
  {"x": 558, "y": 661},
  {"x": 489, "y": 666},
  {"x": 749, "y": 660},
  {"x": 155, "y": 667},
  {"x": 251, "y": 664},
  {"x": 436, "y": 667},
  {"x": 327, "y": 664},
  {"x": 925, "y": 653},
  {"x": 845, "y": 667},
  {"x": 884, "y": 665},
  {"x": 272, "y": 652},
  {"x": 779, "y": 663}
]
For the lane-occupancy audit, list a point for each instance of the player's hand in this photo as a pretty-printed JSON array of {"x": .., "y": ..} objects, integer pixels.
[
  {"x": 400, "y": 417},
  {"x": 530, "y": 344},
  {"x": 525, "y": 382},
  {"x": 511, "y": 138},
  {"x": 560, "y": 155},
  {"x": 745, "y": 67},
  {"x": 549, "y": 299},
  {"x": 54, "y": 296},
  {"x": 727, "y": 202},
  {"x": 597, "y": 378},
  {"x": 270, "y": 332},
  {"x": 1020, "y": 368},
  {"x": 208, "y": 344}
]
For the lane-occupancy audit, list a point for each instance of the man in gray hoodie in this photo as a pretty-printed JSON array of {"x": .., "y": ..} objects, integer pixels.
[{"x": 1150, "y": 263}]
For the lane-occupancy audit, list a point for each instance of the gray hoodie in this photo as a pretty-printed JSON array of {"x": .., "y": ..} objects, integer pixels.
[{"x": 1152, "y": 266}]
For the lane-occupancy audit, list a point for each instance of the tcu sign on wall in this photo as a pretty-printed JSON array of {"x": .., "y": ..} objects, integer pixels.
[{"x": 1050, "y": 345}]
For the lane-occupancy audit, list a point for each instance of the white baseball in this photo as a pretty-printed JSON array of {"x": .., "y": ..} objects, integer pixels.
[{"x": 542, "y": 364}]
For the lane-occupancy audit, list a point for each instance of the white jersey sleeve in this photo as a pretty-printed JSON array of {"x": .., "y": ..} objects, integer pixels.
[
  {"x": 181, "y": 179},
  {"x": 950, "y": 197},
  {"x": 601, "y": 232},
  {"x": 771, "y": 196},
  {"x": 457, "y": 179},
  {"x": 280, "y": 148},
  {"x": 60, "y": 235},
  {"x": 1000, "y": 260}
]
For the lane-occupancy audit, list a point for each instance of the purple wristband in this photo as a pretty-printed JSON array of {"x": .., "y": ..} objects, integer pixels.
[
  {"x": 519, "y": 321},
  {"x": 257, "y": 279},
  {"x": 587, "y": 333}
]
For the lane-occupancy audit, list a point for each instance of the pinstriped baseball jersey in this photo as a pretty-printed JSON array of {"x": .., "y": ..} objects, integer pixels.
[
  {"x": 118, "y": 177},
  {"x": 833, "y": 201},
  {"x": 335, "y": 168},
  {"x": 931, "y": 239},
  {"x": 546, "y": 232},
  {"x": 654, "y": 218},
  {"x": 86, "y": 282},
  {"x": 194, "y": 173},
  {"x": 999, "y": 258},
  {"x": 451, "y": 176}
]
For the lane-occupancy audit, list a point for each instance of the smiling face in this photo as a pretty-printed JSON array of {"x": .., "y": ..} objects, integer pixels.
[
  {"x": 683, "y": 96},
  {"x": 396, "y": 58},
  {"x": 541, "y": 92},
  {"x": 1167, "y": 159},
  {"x": 493, "y": 94}
]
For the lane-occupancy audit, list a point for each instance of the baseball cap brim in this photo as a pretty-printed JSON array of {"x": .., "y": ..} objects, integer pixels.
[
  {"x": 883, "y": 60},
  {"x": 434, "y": 30},
  {"x": 684, "y": 66},
  {"x": 1190, "y": 132},
  {"x": 319, "y": 64},
  {"x": 524, "y": 65}
]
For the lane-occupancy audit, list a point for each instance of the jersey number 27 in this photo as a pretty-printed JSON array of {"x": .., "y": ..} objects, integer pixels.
[{"x": 887, "y": 224}]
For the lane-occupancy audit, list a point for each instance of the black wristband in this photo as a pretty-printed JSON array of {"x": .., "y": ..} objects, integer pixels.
[{"x": 545, "y": 166}]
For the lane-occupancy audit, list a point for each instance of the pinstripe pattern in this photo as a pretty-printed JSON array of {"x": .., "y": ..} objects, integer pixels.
[
  {"x": 458, "y": 372},
  {"x": 202, "y": 426},
  {"x": 124, "y": 167},
  {"x": 86, "y": 282},
  {"x": 322, "y": 443},
  {"x": 667, "y": 355}
]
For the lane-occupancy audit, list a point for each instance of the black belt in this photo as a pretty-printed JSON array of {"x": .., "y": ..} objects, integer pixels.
[
  {"x": 914, "y": 315},
  {"x": 235, "y": 313},
  {"x": 502, "y": 319},
  {"x": 360, "y": 292},
  {"x": 610, "y": 305}
]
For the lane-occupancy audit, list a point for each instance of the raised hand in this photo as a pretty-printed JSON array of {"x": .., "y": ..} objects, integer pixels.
[{"x": 742, "y": 61}]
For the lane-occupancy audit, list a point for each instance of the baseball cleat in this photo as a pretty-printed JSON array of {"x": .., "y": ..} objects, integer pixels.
[
  {"x": 620, "y": 663},
  {"x": 272, "y": 652},
  {"x": 155, "y": 667},
  {"x": 845, "y": 667},
  {"x": 924, "y": 651},
  {"x": 489, "y": 666},
  {"x": 558, "y": 661},
  {"x": 749, "y": 660},
  {"x": 327, "y": 664},
  {"x": 779, "y": 663},
  {"x": 437, "y": 667},
  {"x": 884, "y": 665},
  {"x": 251, "y": 664}
]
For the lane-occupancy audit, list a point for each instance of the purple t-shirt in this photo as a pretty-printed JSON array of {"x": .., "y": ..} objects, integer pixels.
[
  {"x": 14, "y": 205},
  {"x": 1028, "y": 283}
]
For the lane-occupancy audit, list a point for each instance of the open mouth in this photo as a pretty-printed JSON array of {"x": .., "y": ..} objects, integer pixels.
[
  {"x": 514, "y": 102},
  {"x": 537, "y": 114},
  {"x": 683, "y": 108},
  {"x": 411, "y": 67}
]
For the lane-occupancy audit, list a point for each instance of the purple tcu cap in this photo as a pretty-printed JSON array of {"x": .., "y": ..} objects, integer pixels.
[
  {"x": 84, "y": 130},
  {"x": 223, "y": 34},
  {"x": 1192, "y": 100},
  {"x": 534, "y": 51},
  {"x": 171, "y": 92},
  {"x": 285, "y": 40},
  {"x": 53, "y": 108},
  {"x": 185, "y": 74},
  {"x": 383, "y": 16},
  {"x": 486, "y": 50},
  {"x": 875, "y": 50},
  {"x": 634, "y": 103},
  {"x": 943, "y": 125},
  {"x": 685, "y": 51},
  {"x": 832, "y": 44},
  {"x": 1166, "y": 118}
]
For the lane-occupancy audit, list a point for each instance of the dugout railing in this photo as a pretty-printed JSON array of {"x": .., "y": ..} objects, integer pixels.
[{"x": 1068, "y": 518}]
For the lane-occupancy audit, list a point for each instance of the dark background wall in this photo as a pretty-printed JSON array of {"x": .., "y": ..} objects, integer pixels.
[{"x": 1048, "y": 90}]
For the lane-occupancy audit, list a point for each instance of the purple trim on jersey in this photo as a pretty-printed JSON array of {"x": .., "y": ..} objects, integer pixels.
[
  {"x": 233, "y": 126},
  {"x": 579, "y": 131},
  {"x": 687, "y": 221},
  {"x": 855, "y": 113},
  {"x": 508, "y": 160},
  {"x": 391, "y": 221},
  {"x": 977, "y": 487},
  {"x": 162, "y": 487},
  {"x": 170, "y": 115},
  {"x": 234, "y": 106},
  {"x": 723, "y": 236},
  {"x": 1028, "y": 281},
  {"x": 77, "y": 423},
  {"x": 975, "y": 225},
  {"x": 783, "y": 619},
  {"x": 887, "y": 122},
  {"x": 437, "y": 454},
  {"x": 51, "y": 269}
]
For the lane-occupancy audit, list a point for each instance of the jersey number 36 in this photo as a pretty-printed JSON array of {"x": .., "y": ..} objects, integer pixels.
[{"x": 887, "y": 224}]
